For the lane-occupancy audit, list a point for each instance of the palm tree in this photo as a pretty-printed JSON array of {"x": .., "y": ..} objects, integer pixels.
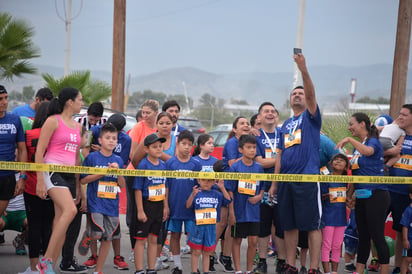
[
  {"x": 16, "y": 47},
  {"x": 92, "y": 90}
]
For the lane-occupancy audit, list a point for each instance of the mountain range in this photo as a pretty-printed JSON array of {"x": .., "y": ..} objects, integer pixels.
[{"x": 332, "y": 83}]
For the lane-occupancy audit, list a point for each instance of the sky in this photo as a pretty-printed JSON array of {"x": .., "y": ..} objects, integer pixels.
[{"x": 218, "y": 36}]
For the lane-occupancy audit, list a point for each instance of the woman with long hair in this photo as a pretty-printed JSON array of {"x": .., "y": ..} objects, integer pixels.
[{"x": 59, "y": 143}]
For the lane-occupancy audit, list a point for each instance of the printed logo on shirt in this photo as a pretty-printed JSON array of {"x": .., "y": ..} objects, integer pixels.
[
  {"x": 8, "y": 129},
  {"x": 118, "y": 148}
]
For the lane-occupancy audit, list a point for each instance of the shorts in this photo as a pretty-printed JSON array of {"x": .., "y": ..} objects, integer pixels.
[
  {"x": 406, "y": 252},
  {"x": 399, "y": 203},
  {"x": 303, "y": 240},
  {"x": 176, "y": 225},
  {"x": 105, "y": 227},
  {"x": 243, "y": 230},
  {"x": 203, "y": 237},
  {"x": 67, "y": 180},
  {"x": 278, "y": 227},
  {"x": 267, "y": 219},
  {"x": 7, "y": 187},
  {"x": 351, "y": 250},
  {"x": 14, "y": 220},
  {"x": 154, "y": 214},
  {"x": 162, "y": 234},
  {"x": 300, "y": 206}
]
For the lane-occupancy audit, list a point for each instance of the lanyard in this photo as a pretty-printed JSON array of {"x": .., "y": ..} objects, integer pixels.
[
  {"x": 176, "y": 127},
  {"x": 272, "y": 146},
  {"x": 298, "y": 120}
]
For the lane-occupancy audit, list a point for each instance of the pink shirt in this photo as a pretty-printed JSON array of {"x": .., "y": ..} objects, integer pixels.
[{"x": 63, "y": 145}]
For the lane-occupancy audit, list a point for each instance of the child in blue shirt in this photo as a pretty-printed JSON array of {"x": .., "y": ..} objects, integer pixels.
[
  {"x": 206, "y": 203},
  {"x": 102, "y": 194},
  {"x": 150, "y": 198},
  {"x": 178, "y": 191},
  {"x": 406, "y": 223},
  {"x": 244, "y": 212}
]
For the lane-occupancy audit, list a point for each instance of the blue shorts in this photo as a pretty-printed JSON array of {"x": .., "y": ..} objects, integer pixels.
[
  {"x": 203, "y": 237},
  {"x": 299, "y": 206},
  {"x": 176, "y": 225},
  {"x": 398, "y": 205}
]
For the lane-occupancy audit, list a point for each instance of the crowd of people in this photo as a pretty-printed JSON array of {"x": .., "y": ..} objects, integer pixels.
[{"x": 312, "y": 216}]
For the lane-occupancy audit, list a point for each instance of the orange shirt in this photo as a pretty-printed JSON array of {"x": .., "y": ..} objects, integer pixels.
[{"x": 138, "y": 133}]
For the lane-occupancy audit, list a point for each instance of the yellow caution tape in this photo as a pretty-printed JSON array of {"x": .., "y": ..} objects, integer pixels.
[{"x": 204, "y": 175}]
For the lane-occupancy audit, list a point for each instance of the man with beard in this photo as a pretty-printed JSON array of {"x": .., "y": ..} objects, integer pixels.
[{"x": 173, "y": 108}]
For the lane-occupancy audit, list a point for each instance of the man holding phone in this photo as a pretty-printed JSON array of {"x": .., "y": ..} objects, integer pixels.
[{"x": 298, "y": 203}]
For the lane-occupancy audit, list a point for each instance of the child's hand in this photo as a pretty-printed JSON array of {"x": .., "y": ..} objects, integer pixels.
[
  {"x": 141, "y": 216},
  {"x": 405, "y": 244},
  {"x": 165, "y": 214},
  {"x": 350, "y": 202},
  {"x": 113, "y": 165},
  {"x": 232, "y": 219},
  {"x": 255, "y": 199},
  {"x": 83, "y": 206},
  {"x": 195, "y": 190},
  {"x": 220, "y": 184},
  {"x": 326, "y": 196}
]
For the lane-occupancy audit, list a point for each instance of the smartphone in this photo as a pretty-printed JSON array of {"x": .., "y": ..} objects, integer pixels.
[{"x": 296, "y": 51}]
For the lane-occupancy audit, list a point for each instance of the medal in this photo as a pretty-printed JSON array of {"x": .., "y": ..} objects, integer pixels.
[{"x": 291, "y": 138}]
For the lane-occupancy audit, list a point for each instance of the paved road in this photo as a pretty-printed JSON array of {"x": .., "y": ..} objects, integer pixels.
[{"x": 11, "y": 263}]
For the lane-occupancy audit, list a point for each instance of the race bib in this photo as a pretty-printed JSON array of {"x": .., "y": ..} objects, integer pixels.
[
  {"x": 354, "y": 161},
  {"x": 293, "y": 139},
  {"x": 269, "y": 153},
  {"x": 107, "y": 190},
  {"x": 337, "y": 194},
  {"x": 206, "y": 216},
  {"x": 405, "y": 162},
  {"x": 157, "y": 193},
  {"x": 247, "y": 187},
  {"x": 324, "y": 171}
]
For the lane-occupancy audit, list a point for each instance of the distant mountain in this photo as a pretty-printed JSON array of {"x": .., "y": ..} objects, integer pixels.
[{"x": 331, "y": 83}]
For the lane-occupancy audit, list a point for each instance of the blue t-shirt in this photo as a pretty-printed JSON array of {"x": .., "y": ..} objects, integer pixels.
[
  {"x": 406, "y": 221},
  {"x": 181, "y": 188},
  {"x": 326, "y": 150},
  {"x": 244, "y": 210},
  {"x": 230, "y": 152},
  {"x": 179, "y": 129},
  {"x": 124, "y": 143},
  {"x": 402, "y": 167},
  {"x": 369, "y": 165},
  {"x": 301, "y": 158},
  {"x": 105, "y": 206},
  {"x": 209, "y": 199},
  {"x": 24, "y": 110},
  {"x": 207, "y": 164},
  {"x": 264, "y": 149},
  {"x": 333, "y": 214},
  {"x": 143, "y": 183},
  {"x": 11, "y": 133}
]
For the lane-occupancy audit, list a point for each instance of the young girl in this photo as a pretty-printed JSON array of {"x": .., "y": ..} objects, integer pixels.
[
  {"x": 334, "y": 214},
  {"x": 202, "y": 151}
]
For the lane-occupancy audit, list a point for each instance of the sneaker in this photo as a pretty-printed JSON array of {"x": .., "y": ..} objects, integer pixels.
[
  {"x": 314, "y": 271},
  {"x": 396, "y": 270},
  {"x": 139, "y": 272},
  {"x": 374, "y": 265},
  {"x": 226, "y": 263},
  {"x": 131, "y": 256},
  {"x": 350, "y": 268},
  {"x": 281, "y": 266},
  {"x": 185, "y": 250},
  {"x": 18, "y": 243},
  {"x": 29, "y": 271},
  {"x": 288, "y": 269},
  {"x": 161, "y": 265},
  {"x": 72, "y": 267},
  {"x": 119, "y": 263},
  {"x": 212, "y": 264},
  {"x": 45, "y": 266},
  {"x": 151, "y": 271},
  {"x": 303, "y": 270},
  {"x": 2, "y": 238},
  {"x": 91, "y": 262},
  {"x": 164, "y": 257},
  {"x": 84, "y": 244},
  {"x": 261, "y": 268},
  {"x": 176, "y": 270}
]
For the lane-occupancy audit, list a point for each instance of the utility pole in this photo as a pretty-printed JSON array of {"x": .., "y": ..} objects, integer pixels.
[
  {"x": 119, "y": 42},
  {"x": 400, "y": 62},
  {"x": 299, "y": 39},
  {"x": 68, "y": 23}
]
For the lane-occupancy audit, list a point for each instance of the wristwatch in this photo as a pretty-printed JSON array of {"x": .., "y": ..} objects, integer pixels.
[{"x": 23, "y": 176}]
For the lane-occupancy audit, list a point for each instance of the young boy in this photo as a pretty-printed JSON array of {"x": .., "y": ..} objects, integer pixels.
[
  {"x": 102, "y": 194},
  {"x": 406, "y": 223},
  {"x": 244, "y": 212},
  {"x": 178, "y": 191},
  {"x": 206, "y": 203},
  {"x": 150, "y": 198}
]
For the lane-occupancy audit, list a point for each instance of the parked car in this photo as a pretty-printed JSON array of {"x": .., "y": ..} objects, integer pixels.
[
  {"x": 219, "y": 141},
  {"x": 223, "y": 127},
  {"x": 192, "y": 124}
]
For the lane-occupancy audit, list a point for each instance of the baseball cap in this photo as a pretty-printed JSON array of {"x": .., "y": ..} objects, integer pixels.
[
  {"x": 118, "y": 120},
  {"x": 153, "y": 138},
  {"x": 383, "y": 120},
  {"x": 2, "y": 89}
]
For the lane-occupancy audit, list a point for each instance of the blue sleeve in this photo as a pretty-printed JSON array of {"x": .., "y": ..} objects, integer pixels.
[
  {"x": 95, "y": 132},
  {"x": 86, "y": 162},
  {"x": 232, "y": 151},
  {"x": 405, "y": 220},
  {"x": 230, "y": 185},
  {"x": 20, "y": 131},
  {"x": 138, "y": 183}
]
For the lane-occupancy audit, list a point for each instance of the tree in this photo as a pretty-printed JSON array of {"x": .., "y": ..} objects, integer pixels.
[
  {"x": 92, "y": 90},
  {"x": 28, "y": 93},
  {"x": 16, "y": 47}
]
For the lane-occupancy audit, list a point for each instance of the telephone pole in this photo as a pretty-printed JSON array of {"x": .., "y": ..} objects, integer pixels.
[
  {"x": 119, "y": 42},
  {"x": 400, "y": 62}
]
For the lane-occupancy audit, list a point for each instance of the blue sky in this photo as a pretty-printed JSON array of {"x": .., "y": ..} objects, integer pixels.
[{"x": 220, "y": 36}]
